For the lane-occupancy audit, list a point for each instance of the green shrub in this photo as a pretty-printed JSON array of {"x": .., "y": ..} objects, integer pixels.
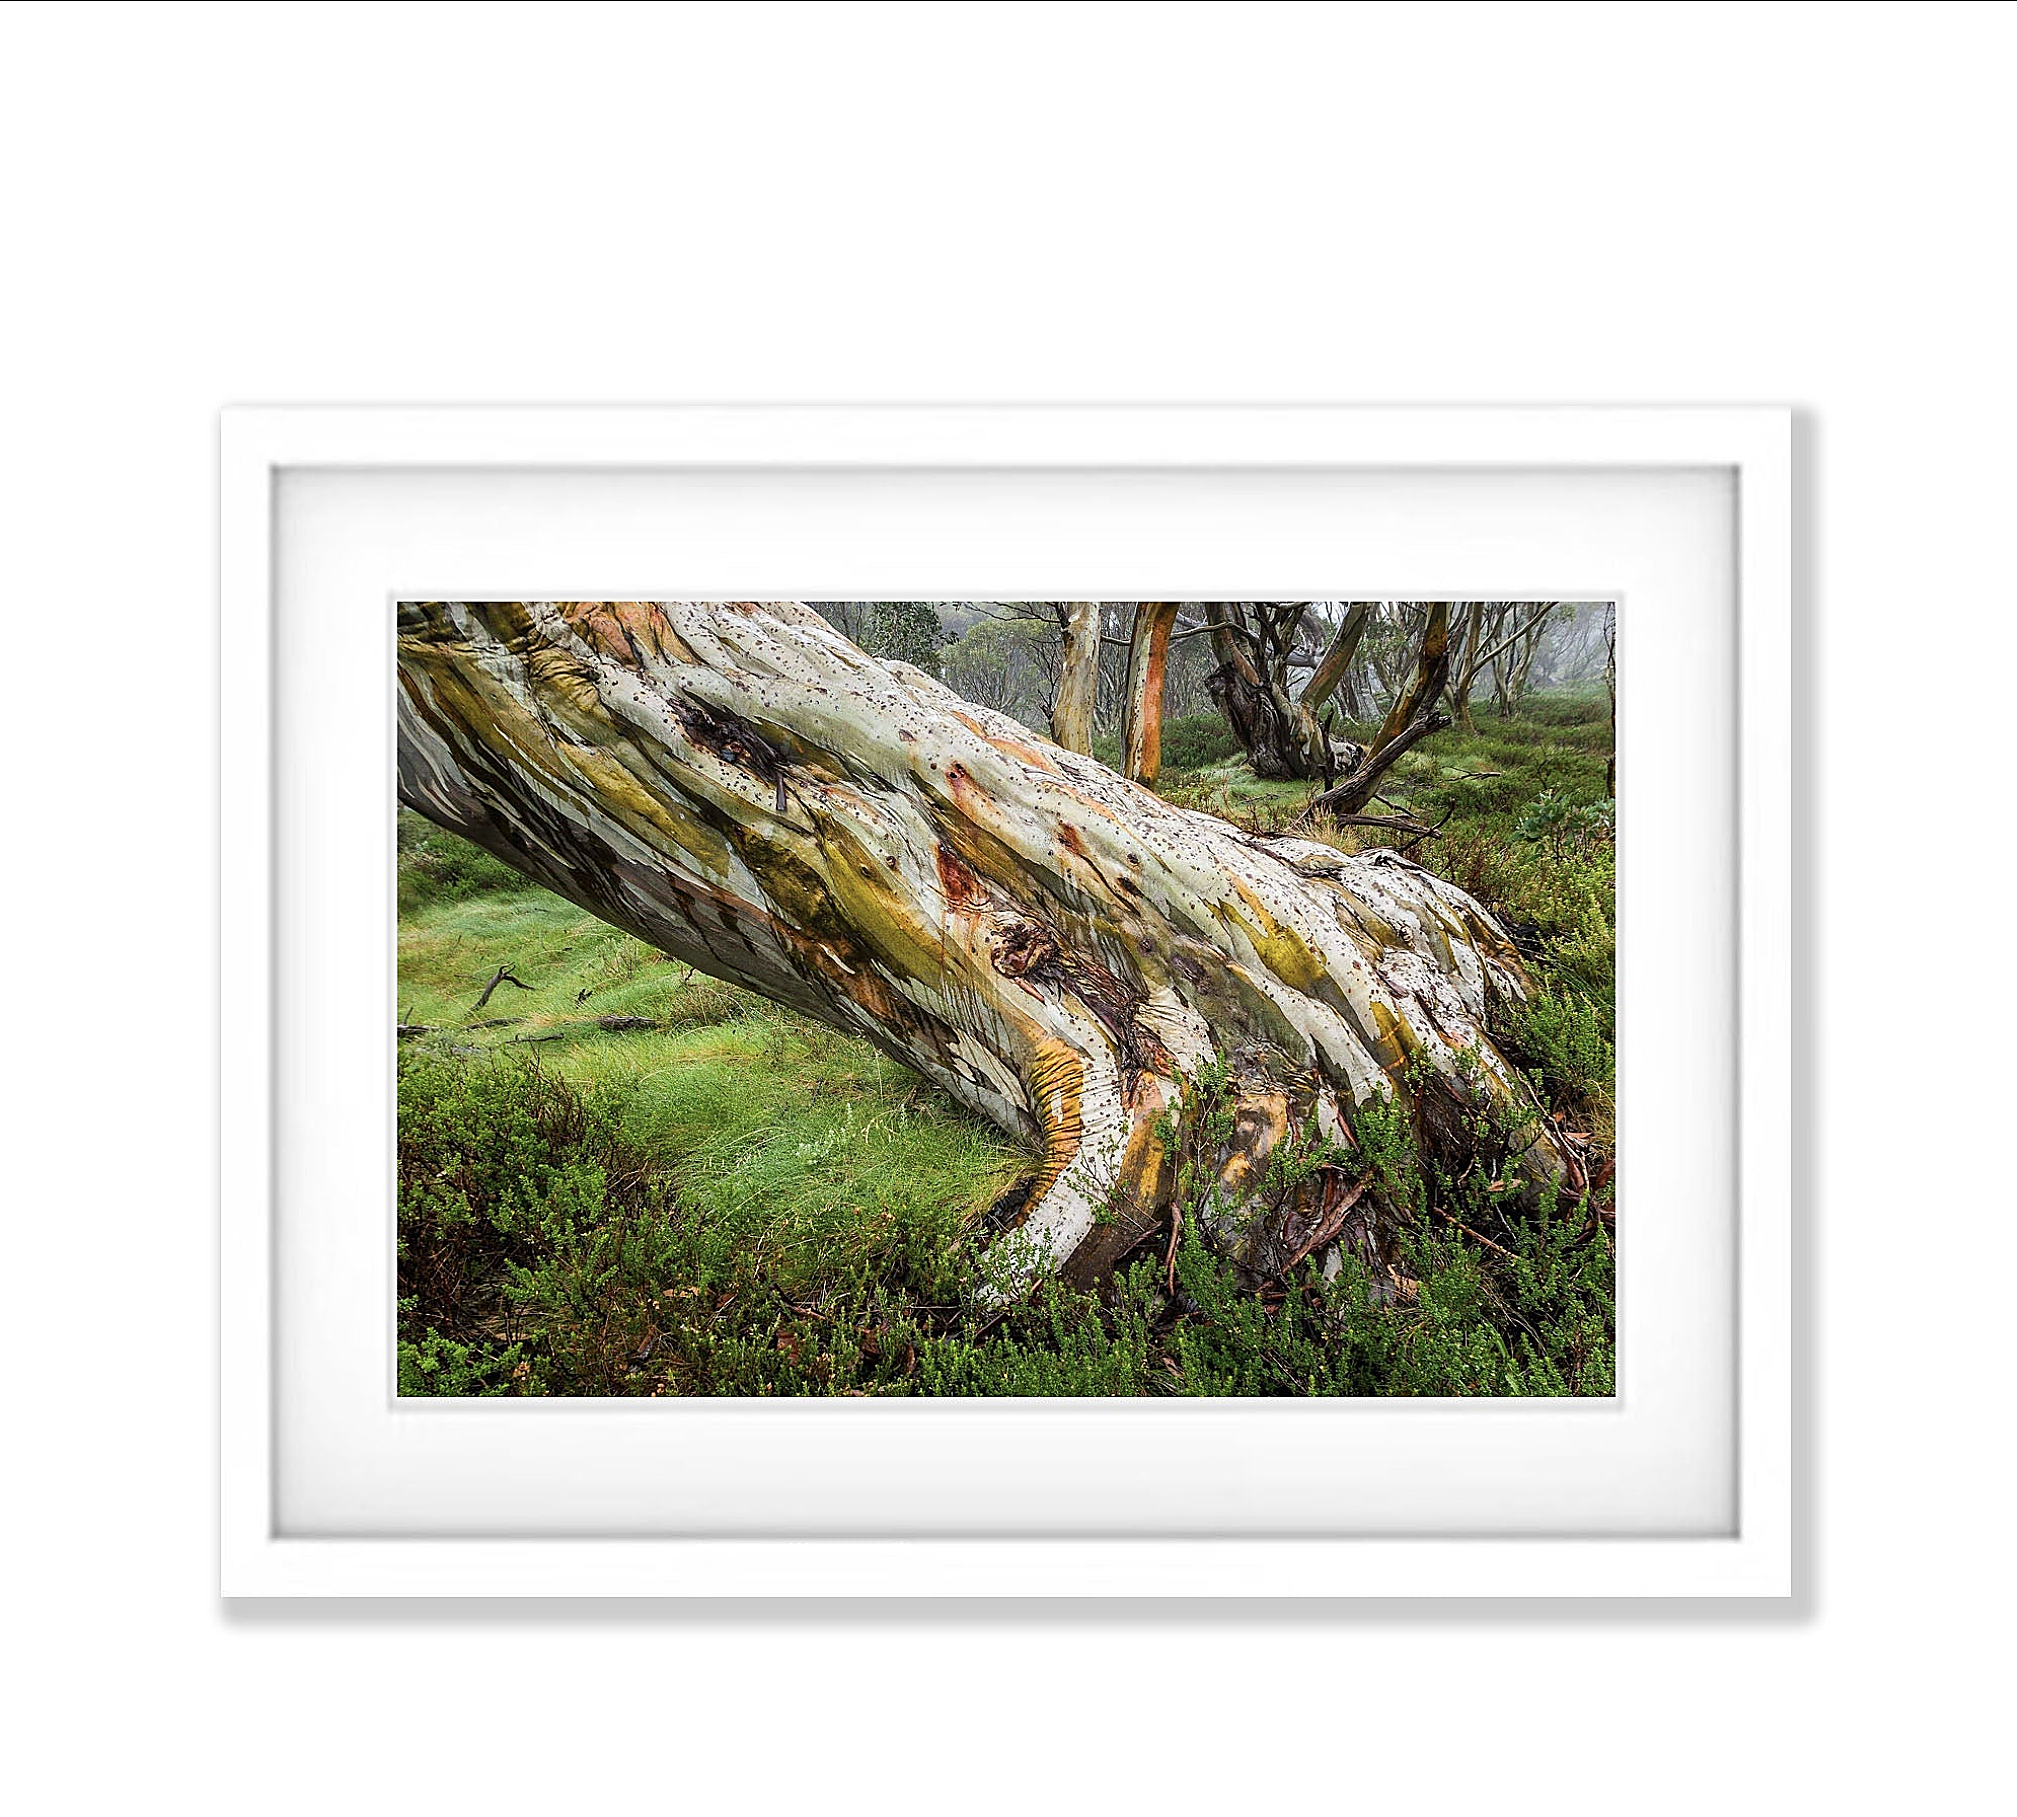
[
  {"x": 1195, "y": 741},
  {"x": 437, "y": 866},
  {"x": 1568, "y": 1041},
  {"x": 529, "y": 1243},
  {"x": 1564, "y": 825},
  {"x": 1191, "y": 741},
  {"x": 538, "y": 1256}
]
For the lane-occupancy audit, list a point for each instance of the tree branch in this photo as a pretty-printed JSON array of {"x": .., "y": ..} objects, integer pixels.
[{"x": 503, "y": 977}]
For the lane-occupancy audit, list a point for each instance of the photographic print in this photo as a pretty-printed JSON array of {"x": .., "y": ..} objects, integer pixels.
[{"x": 990, "y": 997}]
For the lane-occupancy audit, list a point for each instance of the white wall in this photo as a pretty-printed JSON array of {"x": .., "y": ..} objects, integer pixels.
[{"x": 200, "y": 207}]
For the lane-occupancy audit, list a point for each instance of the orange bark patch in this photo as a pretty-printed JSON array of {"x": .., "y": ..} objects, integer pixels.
[
  {"x": 960, "y": 881},
  {"x": 1012, "y": 747},
  {"x": 1057, "y": 1083},
  {"x": 1149, "y": 742},
  {"x": 1263, "y": 1122},
  {"x": 626, "y": 629}
]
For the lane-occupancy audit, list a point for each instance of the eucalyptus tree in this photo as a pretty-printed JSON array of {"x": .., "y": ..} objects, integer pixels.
[
  {"x": 1064, "y": 952},
  {"x": 1412, "y": 718},
  {"x": 1256, "y": 643},
  {"x": 1487, "y": 634},
  {"x": 1064, "y": 640}
]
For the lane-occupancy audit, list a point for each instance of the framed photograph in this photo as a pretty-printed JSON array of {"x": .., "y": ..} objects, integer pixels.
[{"x": 990, "y": 1001}]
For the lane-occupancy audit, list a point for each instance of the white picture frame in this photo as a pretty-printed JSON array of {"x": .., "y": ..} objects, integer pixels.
[{"x": 995, "y": 451}]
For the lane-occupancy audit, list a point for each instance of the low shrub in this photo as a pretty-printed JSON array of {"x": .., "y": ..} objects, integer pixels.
[
  {"x": 529, "y": 1242},
  {"x": 1195, "y": 741},
  {"x": 437, "y": 866},
  {"x": 1566, "y": 1041},
  {"x": 538, "y": 1256},
  {"x": 1566, "y": 826}
]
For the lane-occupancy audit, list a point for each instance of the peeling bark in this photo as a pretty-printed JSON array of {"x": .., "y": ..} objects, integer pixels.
[
  {"x": 1079, "y": 678},
  {"x": 1251, "y": 687},
  {"x": 1142, "y": 704},
  {"x": 1059, "y": 949}
]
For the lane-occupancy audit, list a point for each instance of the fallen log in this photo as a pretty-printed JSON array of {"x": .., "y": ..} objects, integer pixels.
[{"x": 1062, "y": 951}]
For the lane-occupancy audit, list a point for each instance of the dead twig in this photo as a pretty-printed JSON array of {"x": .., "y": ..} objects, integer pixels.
[
  {"x": 1386, "y": 823},
  {"x": 1330, "y": 1224},
  {"x": 503, "y": 976},
  {"x": 1495, "y": 1248}
]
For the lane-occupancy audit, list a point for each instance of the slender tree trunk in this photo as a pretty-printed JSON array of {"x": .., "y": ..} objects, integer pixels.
[
  {"x": 1513, "y": 661},
  {"x": 1142, "y": 703},
  {"x": 1059, "y": 949},
  {"x": 1079, "y": 677},
  {"x": 1431, "y": 676},
  {"x": 1611, "y": 692},
  {"x": 1412, "y": 718},
  {"x": 1336, "y": 664},
  {"x": 1463, "y": 669},
  {"x": 1352, "y": 695}
]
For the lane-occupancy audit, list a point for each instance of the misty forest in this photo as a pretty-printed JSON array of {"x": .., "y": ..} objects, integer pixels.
[{"x": 1006, "y": 998}]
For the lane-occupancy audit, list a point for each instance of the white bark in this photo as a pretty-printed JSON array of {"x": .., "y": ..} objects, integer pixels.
[{"x": 1078, "y": 678}]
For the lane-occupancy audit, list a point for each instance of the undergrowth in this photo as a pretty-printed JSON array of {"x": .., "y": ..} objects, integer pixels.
[
  {"x": 733, "y": 1200},
  {"x": 541, "y": 1253}
]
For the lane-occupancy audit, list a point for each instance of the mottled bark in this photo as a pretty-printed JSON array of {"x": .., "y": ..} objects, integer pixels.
[
  {"x": 1431, "y": 676},
  {"x": 1142, "y": 704},
  {"x": 1059, "y": 949},
  {"x": 1251, "y": 644},
  {"x": 1078, "y": 677}
]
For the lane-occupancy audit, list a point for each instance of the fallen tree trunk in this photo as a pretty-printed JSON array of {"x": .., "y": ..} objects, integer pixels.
[{"x": 1059, "y": 949}]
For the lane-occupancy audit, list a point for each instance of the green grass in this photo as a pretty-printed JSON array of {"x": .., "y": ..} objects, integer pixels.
[
  {"x": 739, "y": 1201},
  {"x": 782, "y": 1140},
  {"x": 435, "y": 866}
]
